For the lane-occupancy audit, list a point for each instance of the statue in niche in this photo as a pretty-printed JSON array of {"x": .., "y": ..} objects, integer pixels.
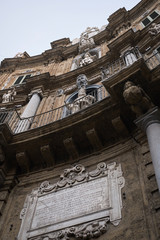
[
  {"x": 105, "y": 73},
  {"x": 154, "y": 29},
  {"x": 86, "y": 42},
  {"x": 9, "y": 97},
  {"x": 83, "y": 100},
  {"x": 86, "y": 59},
  {"x": 136, "y": 97}
]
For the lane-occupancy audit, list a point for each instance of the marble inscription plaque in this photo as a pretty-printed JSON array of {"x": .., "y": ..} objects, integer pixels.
[
  {"x": 77, "y": 199},
  {"x": 69, "y": 203}
]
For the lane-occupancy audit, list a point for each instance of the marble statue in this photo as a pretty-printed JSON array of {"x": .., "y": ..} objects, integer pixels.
[
  {"x": 105, "y": 73},
  {"x": 83, "y": 100},
  {"x": 86, "y": 59},
  {"x": 154, "y": 29},
  {"x": 86, "y": 42},
  {"x": 136, "y": 97},
  {"x": 19, "y": 55},
  {"x": 81, "y": 81},
  {"x": 8, "y": 97}
]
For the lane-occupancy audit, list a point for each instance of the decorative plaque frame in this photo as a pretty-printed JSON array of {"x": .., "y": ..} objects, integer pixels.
[{"x": 80, "y": 205}]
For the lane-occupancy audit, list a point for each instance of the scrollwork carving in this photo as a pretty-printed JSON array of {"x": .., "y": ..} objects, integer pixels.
[
  {"x": 72, "y": 176},
  {"x": 46, "y": 187},
  {"x": 85, "y": 231},
  {"x": 101, "y": 168},
  {"x": 154, "y": 29}
]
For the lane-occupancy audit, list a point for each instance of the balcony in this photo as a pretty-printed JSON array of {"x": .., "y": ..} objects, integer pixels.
[
  {"x": 133, "y": 66},
  {"x": 17, "y": 124},
  {"x": 123, "y": 62}
]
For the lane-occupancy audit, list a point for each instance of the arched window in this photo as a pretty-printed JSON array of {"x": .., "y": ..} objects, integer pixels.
[{"x": 93, "y": 90}]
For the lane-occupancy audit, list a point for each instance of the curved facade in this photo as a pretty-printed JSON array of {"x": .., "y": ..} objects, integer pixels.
[{"x": 84, "y": 114}]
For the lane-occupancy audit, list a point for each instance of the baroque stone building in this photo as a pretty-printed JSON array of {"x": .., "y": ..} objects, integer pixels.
[{"x": 80, "y": 134}]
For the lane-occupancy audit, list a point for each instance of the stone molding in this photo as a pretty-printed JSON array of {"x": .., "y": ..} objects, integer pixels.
[
  {"x": 38, "y": 91},
  {"x": 152, "y": 116}
]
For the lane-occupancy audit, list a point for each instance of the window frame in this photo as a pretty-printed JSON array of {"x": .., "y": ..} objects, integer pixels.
[
  {"x": 22, "y": 80},
  {"x": 150, "y": 18}
]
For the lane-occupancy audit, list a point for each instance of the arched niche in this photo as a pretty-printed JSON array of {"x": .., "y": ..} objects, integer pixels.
[
  {"x": 95, "y": 52},
  {"x": 93, "y": 90}
]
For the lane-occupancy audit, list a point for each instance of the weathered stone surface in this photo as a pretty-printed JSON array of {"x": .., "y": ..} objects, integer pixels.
[{"x": 103, "y": 132}]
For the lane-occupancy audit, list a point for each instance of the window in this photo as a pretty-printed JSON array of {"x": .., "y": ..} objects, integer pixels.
[
  {"x": 22, "y": 79},
  {"x": 150, "y": 18},
  {"x": 157, "y": 53},
  {"x": 158, "y": 49}
]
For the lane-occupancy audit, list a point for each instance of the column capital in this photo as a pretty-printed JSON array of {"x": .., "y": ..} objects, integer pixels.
[
  {"x": 38, "y": 91},
  {"x": 152, "y": 116}
]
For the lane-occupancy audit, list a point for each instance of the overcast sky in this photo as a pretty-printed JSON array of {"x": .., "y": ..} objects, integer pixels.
[{"x": 30, "y": 25}]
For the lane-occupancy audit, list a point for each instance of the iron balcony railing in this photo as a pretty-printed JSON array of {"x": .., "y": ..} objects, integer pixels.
[
  {"x": 18, "y": 124},
  {"x": 153, "y": 61},
  {"x": 125, "y": 61}
]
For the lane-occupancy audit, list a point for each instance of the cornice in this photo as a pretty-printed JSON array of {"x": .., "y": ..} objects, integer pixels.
[
  {"x": 62, "y": 48},
  {"x": 140, "y": 8}
]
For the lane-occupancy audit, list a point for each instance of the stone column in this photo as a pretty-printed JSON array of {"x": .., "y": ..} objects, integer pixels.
[
  {"x": 30, "y": 111},
  {"x": 150, "y": 123}
]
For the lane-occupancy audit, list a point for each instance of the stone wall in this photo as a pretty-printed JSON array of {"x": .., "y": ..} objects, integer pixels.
[{"x": 140, "y": 212}]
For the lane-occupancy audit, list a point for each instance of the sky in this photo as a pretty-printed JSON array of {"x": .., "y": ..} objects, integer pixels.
[{"x": 31, "y": 25}]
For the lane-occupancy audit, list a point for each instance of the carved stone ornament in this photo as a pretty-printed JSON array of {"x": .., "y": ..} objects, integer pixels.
[
  {"x": 154, "y": 29},
  {"x": 19, "y": 55},
  {"x": 136, "y": 97},
  {"x": 82, "y": 81},
  {"x": 70, "y": 89},
  {"x": 86, "y": 59},
  {"x": 79, "y": 206},
  {"x": 9, "y": 97},
  {"x": 86, "y": 41},
  {"x": 60, "y": 92}
]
